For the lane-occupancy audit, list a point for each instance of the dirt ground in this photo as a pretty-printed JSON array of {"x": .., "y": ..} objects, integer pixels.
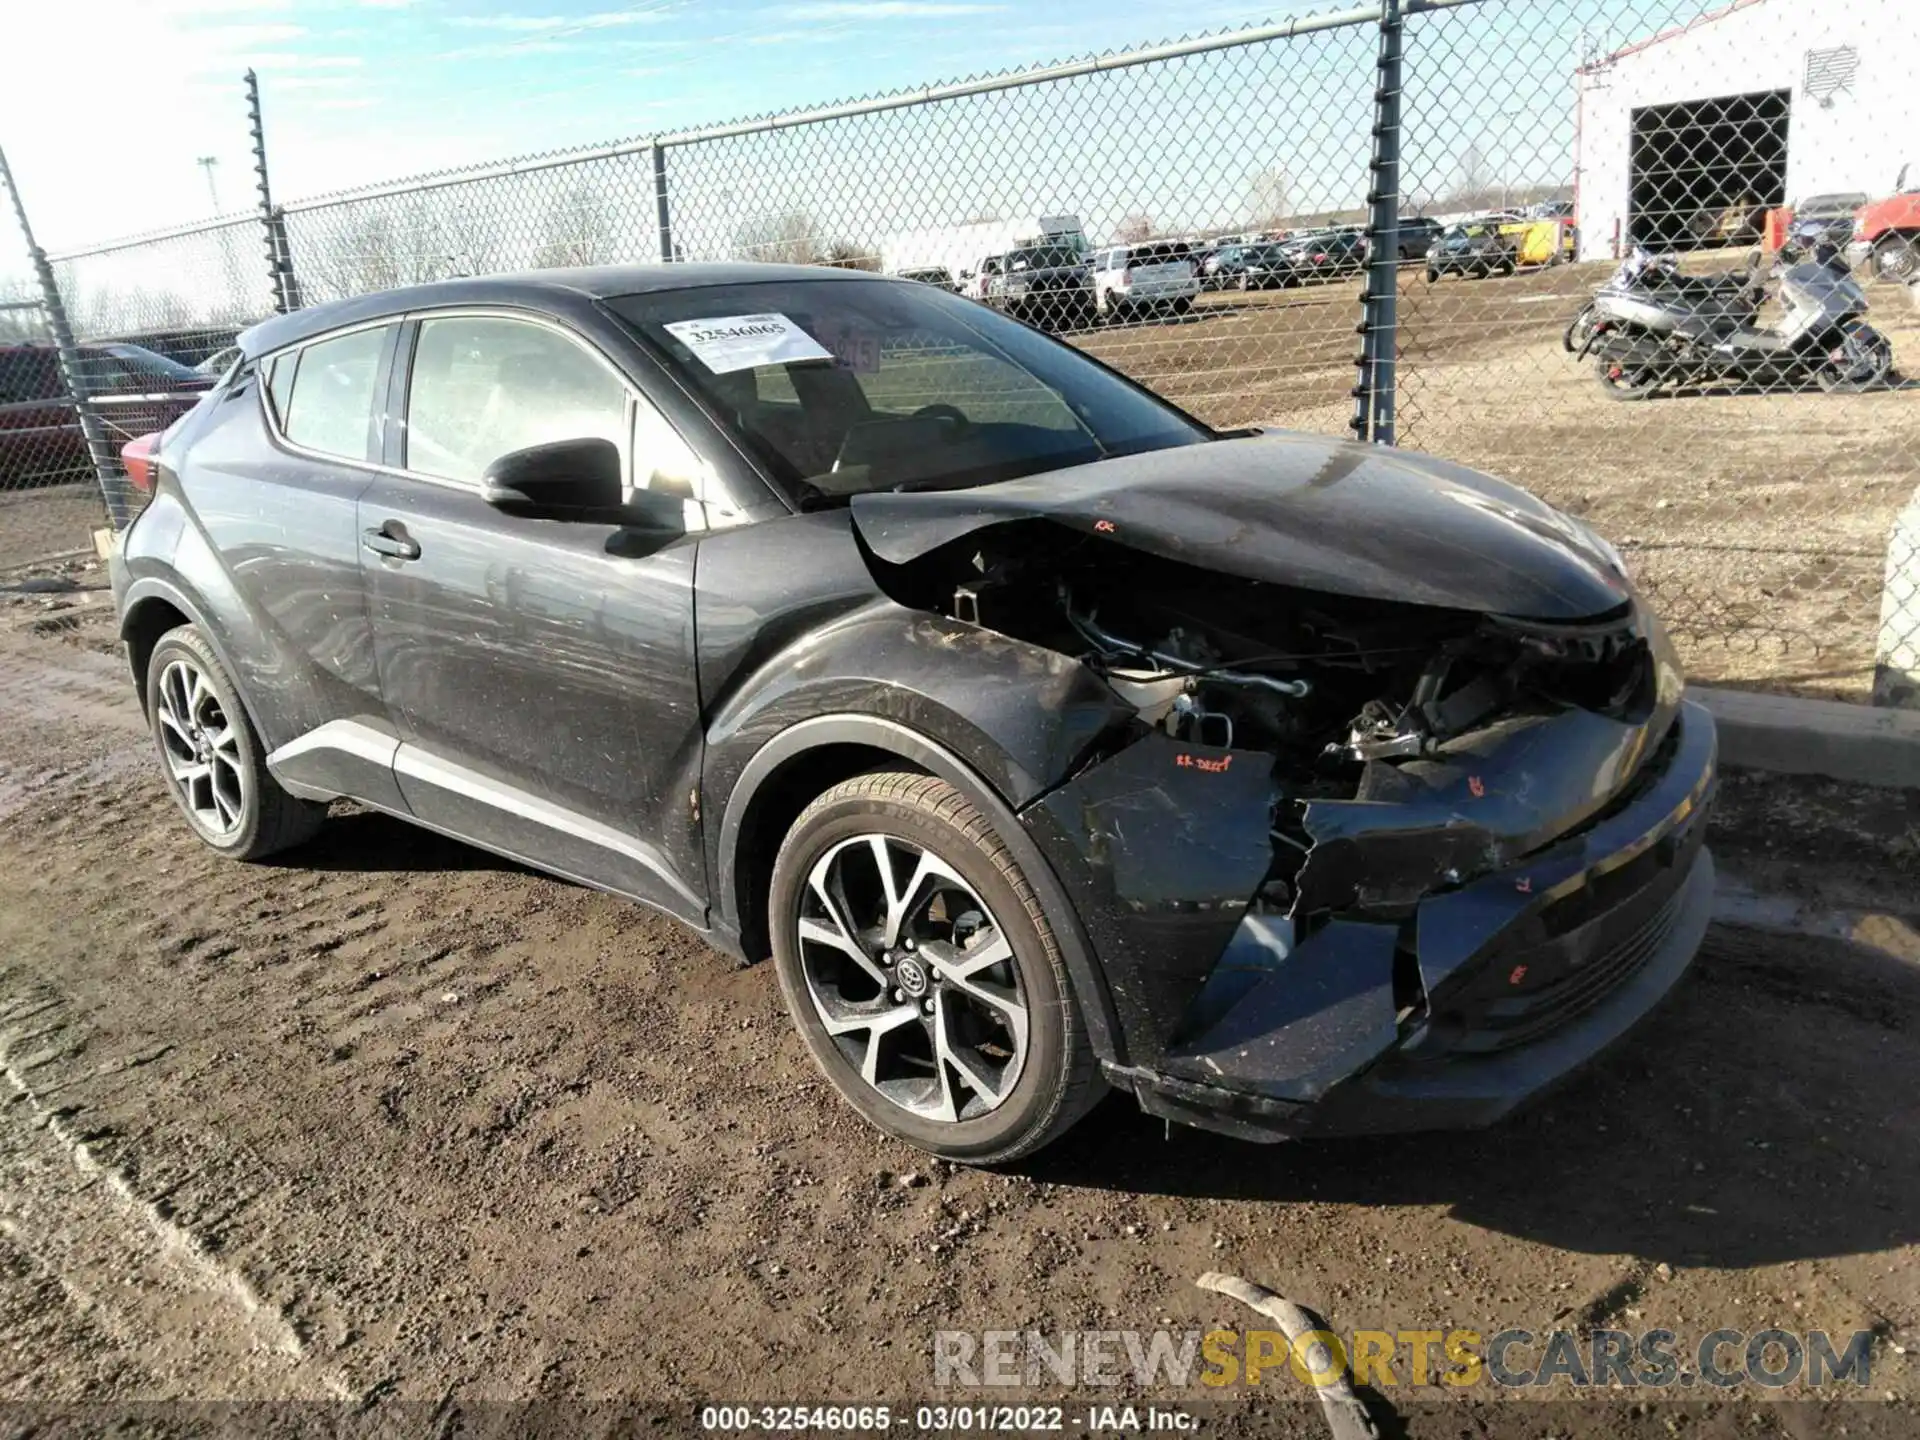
[{"x": 394, "y": 1123}]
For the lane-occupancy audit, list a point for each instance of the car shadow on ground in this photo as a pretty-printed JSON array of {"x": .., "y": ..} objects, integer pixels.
[
  {"x": 1761, "y": 1116},
  {"x": 367, "y": 841}
]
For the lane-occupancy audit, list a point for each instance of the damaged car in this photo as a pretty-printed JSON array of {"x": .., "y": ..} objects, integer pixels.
[{"x": 1048, "y": 740}]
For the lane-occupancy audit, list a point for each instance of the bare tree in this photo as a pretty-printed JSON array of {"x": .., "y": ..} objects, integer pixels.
[
  {"x": 577, "y": 231},
  {"x": 20, "y": 325},
  {"x": 845, "y": 255},
  {"x": 791, "y": 238},
  {"x": 1134, "y": 229},
  {"x": 1475, "y": 186},
  {"x": 1270, "y": 199}
]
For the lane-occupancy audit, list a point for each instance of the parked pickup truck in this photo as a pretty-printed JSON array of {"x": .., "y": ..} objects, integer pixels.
[
  {"x": 1886, "y": 233},
  {"x": 1047, "y": 286}
]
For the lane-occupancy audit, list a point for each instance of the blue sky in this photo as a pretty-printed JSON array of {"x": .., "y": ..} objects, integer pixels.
[{"x": 360, "y": 91}]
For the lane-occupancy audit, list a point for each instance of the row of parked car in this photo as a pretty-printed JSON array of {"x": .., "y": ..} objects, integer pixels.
[
  {"x": 1059, "y": 286},
  {"x": 135, "y": 390}
]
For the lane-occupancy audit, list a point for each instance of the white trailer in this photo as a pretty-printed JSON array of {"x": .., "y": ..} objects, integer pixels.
[{"x": 955, "y": 248}]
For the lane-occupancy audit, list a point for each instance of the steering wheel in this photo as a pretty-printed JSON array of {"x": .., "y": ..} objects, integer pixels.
[{"x": 942, "y": 411}]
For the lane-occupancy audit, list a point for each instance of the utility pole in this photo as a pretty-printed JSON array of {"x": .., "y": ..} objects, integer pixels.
[{"x": 206, "y": 163}]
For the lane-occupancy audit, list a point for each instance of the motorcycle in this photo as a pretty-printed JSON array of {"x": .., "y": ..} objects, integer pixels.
[
  {"x": 1646, "y": 276},
  {"x": 1647, "y": 338}
]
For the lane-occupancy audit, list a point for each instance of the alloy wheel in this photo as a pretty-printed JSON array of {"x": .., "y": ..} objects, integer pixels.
[
  {"x": 1897, "y": 260},
  {"x": 913, "y": 978},
  {"x": 201, "y": 746}
]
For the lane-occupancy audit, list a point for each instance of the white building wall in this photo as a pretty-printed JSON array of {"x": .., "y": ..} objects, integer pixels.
[{"x": 1858, "y": 141}]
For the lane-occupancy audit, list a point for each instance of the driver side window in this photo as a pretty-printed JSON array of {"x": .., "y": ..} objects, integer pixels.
[{"x": 483, "y": 386}]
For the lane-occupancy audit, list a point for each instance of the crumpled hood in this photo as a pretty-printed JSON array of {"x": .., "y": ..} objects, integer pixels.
[{"x": 1298, "y": 510}]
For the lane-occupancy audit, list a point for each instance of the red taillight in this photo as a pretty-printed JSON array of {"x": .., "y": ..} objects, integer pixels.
[
  {"x": 139, "y": 459},
  {"x": 1320, "y": 259}
]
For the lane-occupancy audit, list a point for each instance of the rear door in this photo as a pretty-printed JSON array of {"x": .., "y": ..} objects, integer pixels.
[
  {"x": 280, "y": 519},
  {"x": 539, "y": 672}
]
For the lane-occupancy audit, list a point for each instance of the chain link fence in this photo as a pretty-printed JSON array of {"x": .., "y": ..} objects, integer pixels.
[{"x": 1203, "y": 214}]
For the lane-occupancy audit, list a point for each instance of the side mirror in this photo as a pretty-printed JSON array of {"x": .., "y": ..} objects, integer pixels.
[
  {"x": 579, "y": 480},
  {"x": 561, "y": 480}
]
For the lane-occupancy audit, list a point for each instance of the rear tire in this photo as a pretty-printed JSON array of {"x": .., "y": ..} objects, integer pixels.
[
  {"x": 1868, "y": 360},
  {"x": 893, "y": 984},
  {"x": 212, "y": 759},
  {"x": 1625, "y": 382}
]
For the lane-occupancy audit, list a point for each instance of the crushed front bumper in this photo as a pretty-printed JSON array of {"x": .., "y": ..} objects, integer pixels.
[{"x": 1453, "y": 1009}]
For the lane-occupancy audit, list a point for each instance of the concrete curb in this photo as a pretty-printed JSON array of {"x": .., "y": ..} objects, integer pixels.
[{"x": 1865, "y": 744}]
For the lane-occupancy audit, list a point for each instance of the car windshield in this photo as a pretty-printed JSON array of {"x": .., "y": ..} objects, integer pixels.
[
  {"x": 845, "y": 387},
  {"x": 148, "y": 363}
]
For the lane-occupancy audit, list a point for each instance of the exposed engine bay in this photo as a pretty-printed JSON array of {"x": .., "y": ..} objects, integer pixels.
[{"x": 1334, "y": 687}]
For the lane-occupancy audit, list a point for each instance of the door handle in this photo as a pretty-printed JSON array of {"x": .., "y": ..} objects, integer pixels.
[{"x": 397, "y": 547}]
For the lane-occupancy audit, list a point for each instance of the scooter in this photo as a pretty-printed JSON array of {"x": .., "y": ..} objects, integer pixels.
[
  {"x": 1656, "y": 281},
  {"x": 1646, "y": 341}
]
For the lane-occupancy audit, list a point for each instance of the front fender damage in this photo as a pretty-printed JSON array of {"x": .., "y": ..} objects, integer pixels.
[{"x": 1269, "y": 857}]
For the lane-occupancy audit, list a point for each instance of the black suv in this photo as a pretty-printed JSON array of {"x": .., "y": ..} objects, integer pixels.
[
  {"x": 1046, "y": 738},
  {"x": 1474, "y": 249}
]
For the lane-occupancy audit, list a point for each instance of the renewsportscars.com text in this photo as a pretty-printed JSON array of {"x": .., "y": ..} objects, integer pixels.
[{"x": 1391, "y": 1358}]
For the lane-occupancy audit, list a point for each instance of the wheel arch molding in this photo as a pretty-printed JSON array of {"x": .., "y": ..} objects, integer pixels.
[
  {"x": 829, "y": 748},
  {"x": 152, "y": 596}
]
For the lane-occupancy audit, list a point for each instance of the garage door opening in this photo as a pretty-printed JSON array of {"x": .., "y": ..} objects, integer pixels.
[{"x": 1705, "y": 172}]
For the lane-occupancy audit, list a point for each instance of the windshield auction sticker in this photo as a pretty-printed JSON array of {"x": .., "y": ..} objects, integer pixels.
[{"x": 740, "y": 342}]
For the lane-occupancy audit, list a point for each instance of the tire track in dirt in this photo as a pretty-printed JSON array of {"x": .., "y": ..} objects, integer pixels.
[
  {"x": 474, "y": 1132},
  {"x": 124, "y": 1268}
]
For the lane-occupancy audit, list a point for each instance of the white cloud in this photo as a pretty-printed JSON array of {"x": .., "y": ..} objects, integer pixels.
[
  {"x": 502, "y": 49},
  {"x": 560, "y": 24},
  {"x": 888, "y": 10},
  {"x": 508, "y": 22}
]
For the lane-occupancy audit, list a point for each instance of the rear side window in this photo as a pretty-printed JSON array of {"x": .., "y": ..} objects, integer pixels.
[
  {"x": 280, "y": 371},
  {"x": 328, "y": 398},
  {"x": 484, "y": 386}
]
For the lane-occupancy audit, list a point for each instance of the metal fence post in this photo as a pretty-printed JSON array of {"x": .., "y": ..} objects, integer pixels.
[
  {"x": 1379, "y": 380},
  {"x": 100, "y": 451},
  {"x": 286, "y": 291},
  {"x": 663, "y": 214}
]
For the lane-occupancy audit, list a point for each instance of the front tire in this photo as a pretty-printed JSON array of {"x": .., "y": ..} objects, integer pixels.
[
  {"x": 923, "y": 975},
  {"x": 211, "y": 757},
  {"x": 1579, "y": 330},
  {"x": 1896, "y": 259}
]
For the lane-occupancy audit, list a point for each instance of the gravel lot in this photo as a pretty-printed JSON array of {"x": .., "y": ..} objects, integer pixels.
[
  {"x": 1757, "y": 522},
  {"x": 395, "y": 1122}
]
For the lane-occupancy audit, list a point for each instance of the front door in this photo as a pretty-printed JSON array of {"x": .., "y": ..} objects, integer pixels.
[{"x": 540, "y": 672}]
